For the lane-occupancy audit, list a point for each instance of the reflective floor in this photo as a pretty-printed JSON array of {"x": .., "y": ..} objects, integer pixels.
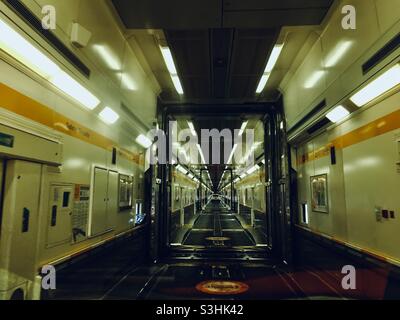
[
  {"x": 217, "y": 226},
  {"x": 180, "y": 281},
  {"x": 222, "y": 267},
  {"x": 119, "y": 273}
]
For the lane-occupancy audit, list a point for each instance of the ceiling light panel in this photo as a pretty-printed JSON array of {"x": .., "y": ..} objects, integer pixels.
[
  {"x": 109, "y": 116},
  {"x": 15, "y": 45},
  {"x": 169, "y": 61},
  {"x": 337, "y": 114},
  {"x": 144, "y": 141},
  {"x": 273, "y": 59},
  {"x": 377, "y": 87}
]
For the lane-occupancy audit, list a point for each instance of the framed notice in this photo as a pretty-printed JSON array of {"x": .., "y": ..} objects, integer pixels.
[
  {"x": 319, "y": 193},
  {"x": 125, "y": 192},
  {"x": 80, "y": 213}
]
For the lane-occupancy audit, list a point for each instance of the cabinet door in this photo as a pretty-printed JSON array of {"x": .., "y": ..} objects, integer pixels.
[
  {"x": 19, "y": 228},
  {"x": 113, "y": 203},
  {"x": 60, "y": 211},
  {"x": 98, "y": 217}
]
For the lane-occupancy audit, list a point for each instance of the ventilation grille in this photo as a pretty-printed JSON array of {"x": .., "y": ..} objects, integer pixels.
[
  {"x": 318, "y": 126},
  {"x": 308, "y": 116},
  {"x": 36, "y": 24},
  {"x": 389, "y": 48}
]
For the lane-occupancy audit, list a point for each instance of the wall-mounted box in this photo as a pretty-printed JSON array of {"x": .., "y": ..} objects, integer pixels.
[{"x": 22, "y": 145}]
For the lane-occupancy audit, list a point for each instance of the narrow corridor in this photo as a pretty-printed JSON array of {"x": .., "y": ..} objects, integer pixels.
[{"x": 218, "y": 226}]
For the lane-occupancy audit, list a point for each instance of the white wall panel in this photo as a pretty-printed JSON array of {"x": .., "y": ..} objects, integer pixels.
[{"x": 388, "y": 13}]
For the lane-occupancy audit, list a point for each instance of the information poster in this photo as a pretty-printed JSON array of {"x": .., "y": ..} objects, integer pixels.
[{"x": 80, "y": 214}]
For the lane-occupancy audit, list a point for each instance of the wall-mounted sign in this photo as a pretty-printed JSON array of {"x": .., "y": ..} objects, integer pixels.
[
  {"x": 80, "y": 213},
  {"x": 319, "y": 193},
  {"x": 6, "y": 140},
  {"x": 125, "y": 192}
]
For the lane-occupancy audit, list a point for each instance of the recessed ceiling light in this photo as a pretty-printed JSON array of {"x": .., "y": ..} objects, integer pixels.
[
  {"x": 263, "y": 82},
  {"x": 23, "y": 51},
  {"x": 169, "y": 61},
  {"x": 109, "y": 116},
  {"x": 273, "y": 59},
  {"x": 377, "y": 87},
  {"x": 338, "y": 114},
  {"x": 75, "y": 90},
  {"x": 144, "y": 141},
  {"x": 177, "y": 84}
]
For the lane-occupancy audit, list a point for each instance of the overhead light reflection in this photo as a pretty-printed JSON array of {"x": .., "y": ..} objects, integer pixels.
[
  {"x": 314, "y": 79},
  {"x": 128, "y": 82},
  {"x": 108, "y": 57},
  {"x": 338, "y": 53}
]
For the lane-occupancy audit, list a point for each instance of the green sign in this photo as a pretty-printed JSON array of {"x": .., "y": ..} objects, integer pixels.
[{"x": 6, "y": 140}]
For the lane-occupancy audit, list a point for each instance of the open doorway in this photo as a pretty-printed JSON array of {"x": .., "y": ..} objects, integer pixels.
[{"x": 221, "y": 189}]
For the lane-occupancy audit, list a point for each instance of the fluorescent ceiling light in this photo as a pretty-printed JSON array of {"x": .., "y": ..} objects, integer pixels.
[
  {"x": 263, "y": 82},
  {"x": 177, "y": 84},
  {"x": 108, "y": 57},
  {"x": 169, "y": 61},
  {"x": 337, "y": 114},
  {"x": 192, "y": 129},
  {"x": 22, "y": 50},
  {"x": 273, "y": 59},
  {"x": 338, "y": 53},
  {"x": 313, "y": 80},
  {"x": 190, "y": 176},
  {"x": 377, "y": 87},
  {"x": 71, "y": 87},
  {"x": 109, "y": 116},
  {"x": 242, "y": 128},
  {"x": 144, "y": 141},
  {"x": 19, "y": 48}
]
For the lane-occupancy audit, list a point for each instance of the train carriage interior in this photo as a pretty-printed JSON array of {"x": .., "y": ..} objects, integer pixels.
[{"x": 199, "y": 150}]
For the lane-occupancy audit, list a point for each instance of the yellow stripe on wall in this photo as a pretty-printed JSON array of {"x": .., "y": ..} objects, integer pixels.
[
  {"x": 373, "y": 129},
  {"x": 22, "y": 105}
]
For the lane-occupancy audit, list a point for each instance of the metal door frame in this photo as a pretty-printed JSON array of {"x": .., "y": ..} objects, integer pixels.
[{"x": 272, "y": 113}]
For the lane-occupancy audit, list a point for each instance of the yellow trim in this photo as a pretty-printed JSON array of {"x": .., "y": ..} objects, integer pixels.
[
  {"x": 373, "y": 129},
  {"x": 22, "y": 105}
]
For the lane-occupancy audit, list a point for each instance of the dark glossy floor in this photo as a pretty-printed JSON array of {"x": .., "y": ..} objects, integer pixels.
[
  {"x": 216, "y": 264},
  {"x": 217, "y": 226},
  {"x": 119, "y": 273},
  {"x": 181, "y": 281}
]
